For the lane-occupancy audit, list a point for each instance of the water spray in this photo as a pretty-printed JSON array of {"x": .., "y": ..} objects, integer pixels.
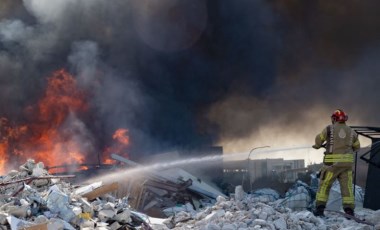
[
  {"x": 233, "y": 156},
  {"x": 141, "y": 169}
]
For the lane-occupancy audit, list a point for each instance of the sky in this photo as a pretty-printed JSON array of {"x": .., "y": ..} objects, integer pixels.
[{"x": 183, "y": 74}]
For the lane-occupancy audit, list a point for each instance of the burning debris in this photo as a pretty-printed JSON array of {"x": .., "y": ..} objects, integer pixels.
[
  {"x": 54, "y": 130},
  {"x": 47, "y": 135}
]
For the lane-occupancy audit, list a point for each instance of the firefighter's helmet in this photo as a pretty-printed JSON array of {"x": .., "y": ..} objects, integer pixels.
[{"x": 339, "y": 116}]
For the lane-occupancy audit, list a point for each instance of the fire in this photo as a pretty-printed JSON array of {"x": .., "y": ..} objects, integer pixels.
[
  {"x": 121, "y": 136},
  {"x": 3, "y": 154},
  {"x": 62, "y": 97},
  {"x": 119, "y": 147},
  {"x": 43, "y": 139},
  {"x": 52, "y": 135}
]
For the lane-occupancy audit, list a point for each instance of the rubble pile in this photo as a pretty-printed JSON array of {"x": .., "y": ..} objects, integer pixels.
[
  {"x": 249, "y": 211},
  {"x": 31, "y": 197}
]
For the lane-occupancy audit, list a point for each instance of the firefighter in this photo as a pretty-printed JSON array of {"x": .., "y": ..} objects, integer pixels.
[{"x": 340, "y": 142}]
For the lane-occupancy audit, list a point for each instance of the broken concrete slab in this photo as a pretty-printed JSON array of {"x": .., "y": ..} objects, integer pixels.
[
  {"x": 87, "y": 224},
  {"x": 3, "y": 218},
  {"x": 16, "y": 223},
  {"x": 115, "y": 226},
  {"x": 58, "y": 203},
  {"x": 86, "y": 206},
  {"x": 106, "y": 214},
  {"x": 17, "y": 211},
  {"x": 239, "y": 193},
  {"x": 123, "y": 217},
  {"x": 58, "y": 224}
]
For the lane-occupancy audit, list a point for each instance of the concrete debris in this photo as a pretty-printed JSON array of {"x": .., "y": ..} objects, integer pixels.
[
  {"x": 179, "y": 208},
  {"x": 197, "y": 185},
  {"x": 32, "y": 199},
  {"x": 163, "y": 193},
  {"x": 249, "y": 211},
  {"x": 335, "y": 198},
  {"x": 298, "y": 197},
  {"x": 17, "y": 211},
  {"x": 123, "y": 217},
  {"x": 56, "y": 204},
  {"x": 239, "y": 193},
  {"x": 59, "y": 203},
  {"x": 16, "y": 223}
]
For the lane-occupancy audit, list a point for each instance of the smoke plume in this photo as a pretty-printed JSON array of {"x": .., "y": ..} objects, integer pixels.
[{"x": 179, "y": 74}]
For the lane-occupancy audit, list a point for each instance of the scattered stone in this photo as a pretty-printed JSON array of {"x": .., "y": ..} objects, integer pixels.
[
  {"x": 32, "y": 199},
  {"x": 248, "y": 211},
  {"x": 59, "y": 205},
  {"x": 280, "y": 223},
  {"x": 239, "y": 193}
]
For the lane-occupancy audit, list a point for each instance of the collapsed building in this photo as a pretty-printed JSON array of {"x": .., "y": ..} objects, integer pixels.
[
  {"x": 31, "y": 198},
  {"x": 161, "y": 193}
]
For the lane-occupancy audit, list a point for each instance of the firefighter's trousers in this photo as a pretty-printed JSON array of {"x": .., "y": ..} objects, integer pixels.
[{"x": 342, "y": 172}]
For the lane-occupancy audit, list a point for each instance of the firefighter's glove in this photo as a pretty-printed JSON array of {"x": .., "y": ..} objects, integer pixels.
[{"x": 315, "y": 147}]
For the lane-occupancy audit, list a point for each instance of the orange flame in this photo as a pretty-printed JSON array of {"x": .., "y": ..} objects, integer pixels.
[
  {"x": 61, "y": 98},
  {"x": 119, "y": 147},
  {"x": 42, "y": 139},
  {"x": 3, "y": 154},
  {"x": 121, "y": 136},
  {"x": 46, "y": 139}
]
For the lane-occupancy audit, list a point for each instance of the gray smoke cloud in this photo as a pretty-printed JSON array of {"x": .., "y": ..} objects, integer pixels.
[
  {"x": 326, "y": 59},
  {"x": 190, "y": 73}
]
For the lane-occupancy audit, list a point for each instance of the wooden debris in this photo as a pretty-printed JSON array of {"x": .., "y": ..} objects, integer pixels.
[
  {"x": 42, "y": 226},
  {"x": 101, "y": 191}
]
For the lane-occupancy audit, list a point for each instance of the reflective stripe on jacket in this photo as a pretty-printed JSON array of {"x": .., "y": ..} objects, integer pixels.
[
  {"x": 341, "y": 142},
  {"x": 334, "y": 158}
]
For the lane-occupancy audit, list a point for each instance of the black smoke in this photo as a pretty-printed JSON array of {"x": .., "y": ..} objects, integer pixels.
[{"x": 180, "y": 74}]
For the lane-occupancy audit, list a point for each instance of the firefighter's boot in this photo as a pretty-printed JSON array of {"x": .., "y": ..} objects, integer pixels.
[
  {"x": 319, "y": 211},
  {"x": 349, "y": 211}
]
